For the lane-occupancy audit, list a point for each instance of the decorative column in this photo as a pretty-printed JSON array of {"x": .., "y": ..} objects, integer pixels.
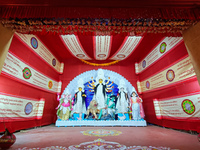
[
  {"x": 6, "y": 36},
  {"x": 191, "y": 39}
]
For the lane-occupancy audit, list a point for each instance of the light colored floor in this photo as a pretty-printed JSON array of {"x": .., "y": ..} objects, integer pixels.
[{"x": 47, "y": 136}]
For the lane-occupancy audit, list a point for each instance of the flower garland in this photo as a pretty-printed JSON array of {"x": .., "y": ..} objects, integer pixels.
[
  {"x": 100, "y": 65},
  {"x": 97, "y": 26}
]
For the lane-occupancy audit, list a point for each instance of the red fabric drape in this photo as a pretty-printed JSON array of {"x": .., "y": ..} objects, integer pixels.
[
  {"x": 80, "y": 12},
  {"x": 14, "y": 87},
  {"x": 186, "y": 87}
]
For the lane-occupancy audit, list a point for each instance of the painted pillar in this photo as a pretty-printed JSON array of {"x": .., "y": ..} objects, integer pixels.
[
  {"x": 6, "y": 36},
  {"x": 191, "y": 39}
]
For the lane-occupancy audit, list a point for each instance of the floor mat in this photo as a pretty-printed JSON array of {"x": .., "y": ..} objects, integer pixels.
[{"x": 99, "y": 144}]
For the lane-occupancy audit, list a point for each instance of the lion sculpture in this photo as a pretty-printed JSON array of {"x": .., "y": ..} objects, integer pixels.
[{"x": 92, "y": 108}]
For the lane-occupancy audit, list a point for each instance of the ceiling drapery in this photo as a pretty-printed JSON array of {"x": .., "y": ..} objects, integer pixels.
[
  {"x": 105, "y": 17},
  {"x": 108, "y": 17},
  {"x": 84, "y": 12},
  {"x": 95, "y": 30},
  {"x": 96, "y": 26}
]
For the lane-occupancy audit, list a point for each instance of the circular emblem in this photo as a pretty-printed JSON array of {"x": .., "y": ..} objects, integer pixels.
[
  {"x": 28, "y": 108},
  {"x": 26, "y": 73},
  {"x": 101, "y": 132},
  {"x": 101, "y": 55},
  {"x": 121, "y": 56},
  {"x": 144, "y": 63},
  {"x": 147, "y": 84},
  {"x": 54, "y": 62},
  {"x": 170, "y": 75},
  {"x": 50, "y": 84},
  {"x": 34, "y": 42},
  {"x": 188, "y": 106},
  {"x": 163, "y": 47},
  {"x": 80, "y": 55}
]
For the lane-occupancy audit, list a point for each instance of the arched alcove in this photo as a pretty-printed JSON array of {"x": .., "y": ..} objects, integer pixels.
[{"x": 86, "y": 77}]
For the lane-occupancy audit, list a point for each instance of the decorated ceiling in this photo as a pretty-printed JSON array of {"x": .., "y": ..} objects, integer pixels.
[
  {"x": 100, "y": 32},
  {"x": 100, "y": 49}
]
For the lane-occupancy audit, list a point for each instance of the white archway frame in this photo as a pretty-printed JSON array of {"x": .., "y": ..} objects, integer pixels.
[{"x": 86, "y": 77}]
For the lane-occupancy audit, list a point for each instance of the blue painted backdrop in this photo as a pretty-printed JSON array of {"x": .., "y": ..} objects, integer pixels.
[{"x": 91, "y": 94}]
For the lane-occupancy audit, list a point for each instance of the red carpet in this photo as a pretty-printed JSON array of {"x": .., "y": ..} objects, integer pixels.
[{"x": 140, "y": 138}]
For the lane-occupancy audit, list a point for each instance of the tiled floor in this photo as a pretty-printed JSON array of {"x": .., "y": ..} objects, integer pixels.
[{"x": 123, "y": 137}]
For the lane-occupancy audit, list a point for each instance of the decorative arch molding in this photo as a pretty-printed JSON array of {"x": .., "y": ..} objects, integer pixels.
[{"x": 86, "y": 77}]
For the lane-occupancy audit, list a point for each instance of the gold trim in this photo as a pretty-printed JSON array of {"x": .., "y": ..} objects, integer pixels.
[{"x": 101, "y": 65}]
